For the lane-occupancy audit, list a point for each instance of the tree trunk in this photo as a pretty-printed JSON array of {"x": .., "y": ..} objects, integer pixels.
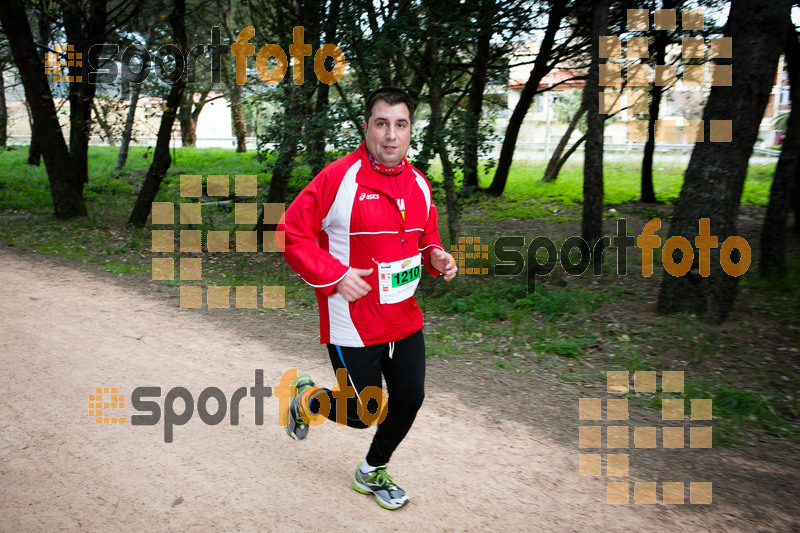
[
  {"x": 556, "y": 161},
  {"x": 436, "y": 123},
  {"x": 234, "y": 92},
  {"x": 127, "y": 132},
  {"x": 648, "y": 191},
  {"x": 161, "y": 159},
  {"x": 81, "y": 93},
  {"x": 188, "y": 126},
  {"x": 566, "y": 156},
  {"x": 592, "y": 220},
  {"x": 66, "y": 185},
  {"x": 450, "y": 193},
  {"x": 296, "y": 100},
  {"x": 3, "y": 113},
  {"x": 104, "y": 125},
  {"x": 281, "y": 173},
  {"x": 317, "y": 130},
  {"x": 773, "y": 234},
  {"x": 714, "y": 179},
  {"x": 796, "y": 201},
  {"x": 477, "y": 87},
  {"x": 189, "y": 114},
  {"x": 237, "y": 117},
  {"x": 233, "y": 89},
  {"x": 35, "y": 148},
  {"x": 321, "y": 133},
  {"x": 541, "y": 66}
]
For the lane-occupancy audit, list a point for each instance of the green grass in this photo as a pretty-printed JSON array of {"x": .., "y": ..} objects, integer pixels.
[
  {"x": 109, "y": 193},
  {"x": 734, "y": 408},
  {"x": 780, "y": 296},
  {"x": 525, "y": 197}
]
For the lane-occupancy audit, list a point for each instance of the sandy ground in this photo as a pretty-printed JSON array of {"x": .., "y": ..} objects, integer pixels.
[{"x": 65, "y": 331}]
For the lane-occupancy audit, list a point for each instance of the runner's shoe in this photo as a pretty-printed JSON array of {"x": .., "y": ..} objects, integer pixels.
[
  {"x": 297, "y": 427},
  {"x": 378, "y": 482}
]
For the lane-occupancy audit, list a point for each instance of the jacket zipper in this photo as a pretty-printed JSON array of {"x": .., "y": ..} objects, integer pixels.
[{"x": 403, "y": 254}]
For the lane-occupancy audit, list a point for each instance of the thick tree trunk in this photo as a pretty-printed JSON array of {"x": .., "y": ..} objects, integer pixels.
[
  {"x": 35, "y": 148},
  {"x": 161, "y": 159},
  {"x": 773, "y": 234},
  {"x": 556, "y": 160},
  {"x": 477, "y": 87},
  {"x": 592, "y": 220},
  {"x": 714, "y": 179},
  {"x": 81, "y": 93},
  {"x": 66, "y": 185},
  {"x": 541, "y": 67}
]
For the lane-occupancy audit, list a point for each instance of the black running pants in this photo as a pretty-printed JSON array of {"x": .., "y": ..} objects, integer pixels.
[{"x": 402, "y": 365}]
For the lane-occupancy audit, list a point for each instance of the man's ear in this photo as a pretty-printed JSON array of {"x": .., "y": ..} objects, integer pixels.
[{"x": 364, "y": 125}]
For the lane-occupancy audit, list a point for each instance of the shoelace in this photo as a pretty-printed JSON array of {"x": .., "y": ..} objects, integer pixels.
[{"x": 384, "y": 479}]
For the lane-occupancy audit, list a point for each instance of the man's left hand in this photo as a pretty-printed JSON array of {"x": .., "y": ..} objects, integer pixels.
[{"x": 444, "y": 263}]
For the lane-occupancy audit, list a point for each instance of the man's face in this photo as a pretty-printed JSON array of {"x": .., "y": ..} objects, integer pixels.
[{"x": 388, "y": 133}]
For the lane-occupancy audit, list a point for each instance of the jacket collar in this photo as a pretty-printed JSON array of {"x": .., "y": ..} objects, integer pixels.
[{"x": 388, "y": 185}]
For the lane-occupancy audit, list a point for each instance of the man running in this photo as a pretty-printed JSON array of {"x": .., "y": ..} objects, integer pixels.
[{"x": 360, "y": 233}]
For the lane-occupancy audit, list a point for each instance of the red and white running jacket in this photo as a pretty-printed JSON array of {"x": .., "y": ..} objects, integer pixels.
[{"x": 349, "y": 216}]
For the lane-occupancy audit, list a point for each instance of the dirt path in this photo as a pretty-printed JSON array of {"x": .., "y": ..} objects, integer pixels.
[{"x": 65, "y": 332}]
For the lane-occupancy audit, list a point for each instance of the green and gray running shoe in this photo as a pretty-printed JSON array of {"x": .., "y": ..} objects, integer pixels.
[
  {"x": 297, "y": 427},
  {"x": 378, "y": 482}
]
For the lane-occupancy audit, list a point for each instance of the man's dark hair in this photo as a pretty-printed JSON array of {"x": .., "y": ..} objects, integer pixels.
[{"x": 390, "y": 95}]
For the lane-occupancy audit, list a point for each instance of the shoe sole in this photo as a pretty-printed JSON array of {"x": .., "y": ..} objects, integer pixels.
[
  {"x": 293, "y": 429},
  {"x": 363, "y": 489},
  {"x": 296, "y": 431}
]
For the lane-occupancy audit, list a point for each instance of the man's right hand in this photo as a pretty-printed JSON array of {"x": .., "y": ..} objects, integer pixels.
[{"x": 352, "y": 287}]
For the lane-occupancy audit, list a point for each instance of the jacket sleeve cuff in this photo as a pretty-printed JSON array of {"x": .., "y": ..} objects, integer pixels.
[
  {"x": 330, "y": 289},
  {"x": 426, "y": 259}
]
